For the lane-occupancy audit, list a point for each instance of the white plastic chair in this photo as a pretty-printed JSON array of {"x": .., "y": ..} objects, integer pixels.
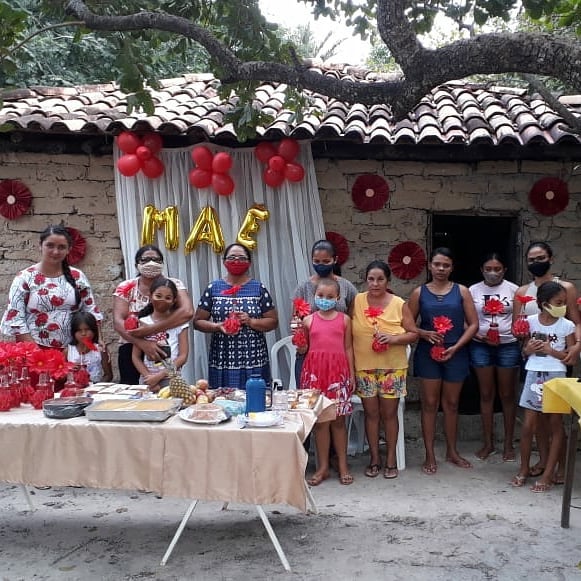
[{"x": 290, "y": 354}]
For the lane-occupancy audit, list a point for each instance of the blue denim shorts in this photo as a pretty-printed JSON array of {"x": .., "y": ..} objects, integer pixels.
[
  {"x": 503, "y": 355},
  {"x": 454, "y": 370}
]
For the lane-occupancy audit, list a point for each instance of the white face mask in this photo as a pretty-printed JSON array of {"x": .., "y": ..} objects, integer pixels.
[{"x": 150, "y": 269}]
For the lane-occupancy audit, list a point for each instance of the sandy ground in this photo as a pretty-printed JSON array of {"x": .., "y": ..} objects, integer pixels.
[{"x": 459, "y": 524}]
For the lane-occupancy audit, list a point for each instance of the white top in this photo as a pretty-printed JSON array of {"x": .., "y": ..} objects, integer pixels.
[
  {"x": 557, "y": 334},
  {"x": 92, "y": 359},
  {"x": 504, "y": 292},
  {"x": 169, "y": 337}
]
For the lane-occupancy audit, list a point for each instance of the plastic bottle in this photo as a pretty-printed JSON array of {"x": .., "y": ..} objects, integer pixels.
[{"x": 279, "y": 397}]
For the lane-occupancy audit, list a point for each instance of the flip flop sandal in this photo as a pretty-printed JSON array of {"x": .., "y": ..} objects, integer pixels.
[
  {"x": 372, "y": 470},
  {"x": 535, "y": 471},
  {"x": 541, "y": 487},
  {"x": 390, "y": 472},
  {"x": 558, "y": 481},
  {"x": 346, "y": 479},
  {"x": 518, "y": 481},
  {"x": 509, "y": 456},
  {"x": 316, "y": 479},
  {"x": 430, "y": 469}
]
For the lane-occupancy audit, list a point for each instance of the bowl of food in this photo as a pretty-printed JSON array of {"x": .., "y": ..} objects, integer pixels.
[{"x": 63, "y": 408}]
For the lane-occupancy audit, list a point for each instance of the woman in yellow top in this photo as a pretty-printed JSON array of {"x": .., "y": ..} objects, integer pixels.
[{"x": 381, "y": 334}]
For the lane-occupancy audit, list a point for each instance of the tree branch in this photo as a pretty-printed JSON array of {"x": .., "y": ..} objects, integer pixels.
[{"x": 423, "y": 69}]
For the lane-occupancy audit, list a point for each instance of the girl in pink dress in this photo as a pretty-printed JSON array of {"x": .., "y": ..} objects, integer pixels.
[{"x": 329, "y": 367}]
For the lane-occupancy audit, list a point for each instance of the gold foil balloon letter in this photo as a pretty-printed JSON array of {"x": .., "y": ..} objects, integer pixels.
[
  {"x": 153, "y": 219},
  {"x": 206, "y": 229},
  {"x": 250, "y": 225}
]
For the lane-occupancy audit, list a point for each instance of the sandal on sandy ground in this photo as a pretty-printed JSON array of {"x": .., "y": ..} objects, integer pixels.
[
  {"x": 372, "y": 470},
  {"x": 519, "y": 481},
  {"x": 536, "y": 470},
  {"x": 460, "y": 462},
  {"x": 346, "y": 479},
  {"x": 541, "y": 487},
  {"x": 484, "y": 453},
  {"x": 316, "y": 479},
  {"x": 429, "y": 469},
  {"x": 390, "y": 472}
]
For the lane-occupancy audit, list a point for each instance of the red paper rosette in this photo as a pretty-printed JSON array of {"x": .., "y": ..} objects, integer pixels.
[
  {"x": 549, "y": 196},
  {"x": 15, "y": 199},
  {"x": 79, "y": 247},
  {"x": 341, "y": 246},
  {"x": 370, "y": 192},
  {"x": 407, "y": 260}
]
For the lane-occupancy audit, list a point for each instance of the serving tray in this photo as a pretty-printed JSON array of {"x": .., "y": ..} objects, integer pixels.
[{"x": 133, "y": 410}]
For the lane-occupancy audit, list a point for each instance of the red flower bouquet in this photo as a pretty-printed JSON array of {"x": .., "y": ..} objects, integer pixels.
[
  {"x": 232, "y": 324},
  {"x": 442, "y": 325},
  {"x": 521, "y": 327},
  {"x": 493, "y": 307},
  {"x": 301, "y": 309},
  {"x": 373, "y": 313}
]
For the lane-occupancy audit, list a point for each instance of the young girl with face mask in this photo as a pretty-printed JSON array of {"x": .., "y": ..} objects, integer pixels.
[
  {"x": 495, "y": 359},
  {"x": 329, "y": 367},
  {"x": 237, "y": 350},
  {"x": 551, "y": 337},
  {"x": 133, "y": 295}
]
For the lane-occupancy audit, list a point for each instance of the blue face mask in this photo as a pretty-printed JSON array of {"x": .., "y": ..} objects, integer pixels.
[
  {"x": 323, "y": 270},
  {"x": 325, "y": 304}
]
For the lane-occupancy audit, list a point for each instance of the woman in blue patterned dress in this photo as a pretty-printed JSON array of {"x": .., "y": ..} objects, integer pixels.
[{"x": 236, "y": 354}]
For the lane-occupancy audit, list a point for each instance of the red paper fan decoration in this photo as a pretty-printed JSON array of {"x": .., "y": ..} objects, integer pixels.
[
  {"x": 79, "y": 248},
  {"x": 15, "y": 199},
  {"x": 549, "y": 196},
  {"x": 370, "y": 192},
  {"x": 407, "y": 260},
  {"x": 341, "y": 246}
]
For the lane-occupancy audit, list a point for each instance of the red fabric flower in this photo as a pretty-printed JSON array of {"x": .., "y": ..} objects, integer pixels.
[
  {"x": 407, "y": 260},
  {"x": 301, "y": 308},
  {"x": 89, "y": 344},
  {"x": 442, "y": 324},
  {"x": 524, "y": 299},
  {"x": 341, "y": 246},
  {"x": 379, "y": 347},
  {"x": 5, "y": 401},
  {"x": 373, "y": 312},
  {"x": 232, "y": 324},
  {"x": 40, "y": 360},
  {"x": 370, "y": 192},
  {"x": 131, "y": 322},
  {"x": 549, "y": 196},
  {"x": 437, "y": 352},
  {"x": 300, "y": 338},
  {"x": 232, "y": 291},
  {"x": 493, "y": 307},
  {"x": 81, "y": 377},
  {"x": 15, "y": 199},
  {"x": 78, "y": 249},
  {"x": 521, "y": 327}
]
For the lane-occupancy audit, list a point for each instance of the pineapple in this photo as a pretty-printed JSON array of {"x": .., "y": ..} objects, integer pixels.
[{"x": 179, "y": 388}]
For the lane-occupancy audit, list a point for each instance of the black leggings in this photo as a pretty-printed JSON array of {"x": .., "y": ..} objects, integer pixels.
[{"x": 127, "y": 372}]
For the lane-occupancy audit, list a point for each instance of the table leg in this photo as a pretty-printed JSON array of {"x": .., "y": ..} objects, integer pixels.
[
  {"x": 311, "y": 505},
  {"x": 569, "y": 470},
  {"x": 27, "y": 497},
  {"x": 273, "y": 537},
  {"x": 179, "y": 532}
]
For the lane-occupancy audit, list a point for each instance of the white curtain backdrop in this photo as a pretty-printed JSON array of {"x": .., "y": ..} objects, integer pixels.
[{"x": 282, "y": 256}]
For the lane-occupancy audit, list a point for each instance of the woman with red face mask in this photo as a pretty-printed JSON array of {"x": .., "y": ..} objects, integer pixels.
[{"x": 238, "y": 310}]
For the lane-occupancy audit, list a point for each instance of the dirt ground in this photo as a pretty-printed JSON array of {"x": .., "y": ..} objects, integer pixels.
[{"x": 459, "y": 524}]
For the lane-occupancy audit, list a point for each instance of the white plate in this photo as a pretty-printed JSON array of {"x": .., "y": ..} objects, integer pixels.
[
  {"x": 262, "y": 419},
  {"x": 185, "y": 415}
]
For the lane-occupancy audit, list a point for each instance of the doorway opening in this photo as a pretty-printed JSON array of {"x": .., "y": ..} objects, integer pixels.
[{"x": 471, "y": 238}]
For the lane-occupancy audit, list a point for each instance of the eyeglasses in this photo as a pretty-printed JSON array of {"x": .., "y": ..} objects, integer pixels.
[
  {"x": 538, "y": 259},
  {"x": 146, "y": 259},
  {"x": 234, "y": 258}
]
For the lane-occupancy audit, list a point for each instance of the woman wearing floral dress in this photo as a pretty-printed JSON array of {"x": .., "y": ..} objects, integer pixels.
[
  {"x": 242, "y": 311},
  {"x": 43, "y": 297}
]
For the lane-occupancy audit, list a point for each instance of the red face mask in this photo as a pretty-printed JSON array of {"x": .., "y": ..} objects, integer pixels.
[{"x": 236, "y": 268}]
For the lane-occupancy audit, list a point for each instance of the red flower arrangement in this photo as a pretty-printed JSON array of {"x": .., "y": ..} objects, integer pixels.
[
  {"x": 15, "y": 199},
  {"x": 493, "y": 307},
  {"x": 232, "y": 323},
  {"x": 370, "y": 192},
  {"x": 549, "y": 196},
  {"x": 301, "y": 309},
  {"x": 407, "y": 260},
  {"x": 341, "y": 246},
  {"x": 373, "y": 313},
  {"x": 78, "y": 249},
  {"x": 131, "y": 323},
  {"x": 521, "y": 327},
  {"x": 442, "y": 325}
]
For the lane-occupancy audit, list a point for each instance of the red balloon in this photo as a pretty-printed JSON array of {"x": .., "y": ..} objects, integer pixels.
[
  {"x": 277, "y": 163},
  {"x": 152, "y": 167},
  {"x": 128, "y": 142},
  {"x": 294, "y": 172},
  {"x": 128, "y": 164},
  {"x": 223, "y": 184},
  {"x": 288, "y": 148},
  {"x": 221, "y": 163},
  {"x": 202, "y": 157},
  {"x": 264, "y": 151},
  {"x": 154, "y": 141},
  {"x": 143, "y": 152},
  {"x": 200, "y": 178},
  {"x": 272, "y": 178}
]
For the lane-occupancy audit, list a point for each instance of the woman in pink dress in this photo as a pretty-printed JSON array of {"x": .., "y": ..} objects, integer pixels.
[{"x": 329, "y": 367}]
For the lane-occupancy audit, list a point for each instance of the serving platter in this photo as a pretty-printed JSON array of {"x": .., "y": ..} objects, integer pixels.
[
  {"x": 186, "y": 415},
  {"x": 133, "y": 410}
]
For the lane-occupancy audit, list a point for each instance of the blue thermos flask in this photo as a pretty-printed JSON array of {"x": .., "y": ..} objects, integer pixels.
[{"x": 256, "y": 394}]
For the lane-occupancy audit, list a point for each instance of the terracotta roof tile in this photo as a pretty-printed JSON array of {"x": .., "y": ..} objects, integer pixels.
[{"x": 189, "y": 106}]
